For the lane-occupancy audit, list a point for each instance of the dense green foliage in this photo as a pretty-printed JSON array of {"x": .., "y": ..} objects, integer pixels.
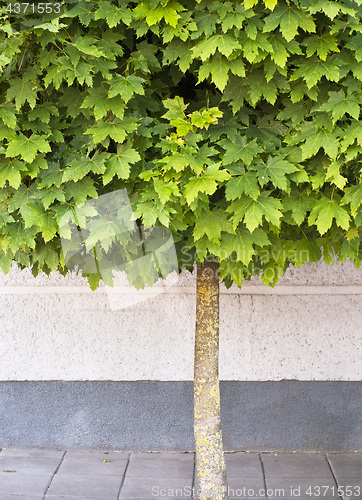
[{"x": 234, "y": 124}]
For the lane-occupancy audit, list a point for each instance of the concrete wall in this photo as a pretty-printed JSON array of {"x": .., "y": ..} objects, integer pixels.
[{"x": 307, "y": 330}]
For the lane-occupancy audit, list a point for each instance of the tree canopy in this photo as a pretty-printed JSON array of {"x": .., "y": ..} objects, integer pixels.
[{"x": 233, "y": 125}]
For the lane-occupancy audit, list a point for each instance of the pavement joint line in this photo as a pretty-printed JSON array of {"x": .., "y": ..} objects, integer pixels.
[
  {"x": 333, "y": 474},
  {"x": 124, "y": 476},
  {"x": 51, "y": 479},
  {"x": 263, "y": 471},
  {"x": 194, "y": 472}
]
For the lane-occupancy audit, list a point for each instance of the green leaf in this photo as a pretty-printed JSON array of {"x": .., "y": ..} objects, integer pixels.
[
  {"x": 207, "y": 183},
  {"x": 22, "y": 91},
  {"x": 35, "y": 215},
  {"x": 312, "y": 70},
  {"x": 321, "y": 44},
  {"x": 243, "y": 243},
  {"x": 323, "y": 213},
  {"x": 7, "y": 114},
  {"x": 240, "y": 149},
  {"x": 81, "y": 190},
  {"x": 252, "y": 211},
  {"x": 218, "y": 67},
  {"x": 274, "y": 170},
  {"x": 289, "y": 18},
  {"x": 10, "y": 171},
  {"x": 299, "y": 204},
  {"x": 242, "y": 184},
  {"x": 86, "y": 45},
  {"x": 126, "y": 87},
  {"x": 225, "y": 43},
  {"x": 340, "y": 104},
  {"x": 211, "y": 223},
  {"x": 79, "y": 168},
  {"x": 117, "y": 130},
  {"x": 119, "y": 163},
  {"x": 113, "y": 14},
  {"x": 27, "y": 147}
]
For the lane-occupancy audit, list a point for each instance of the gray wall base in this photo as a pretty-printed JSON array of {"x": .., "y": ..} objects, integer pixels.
[{"x": 149, "y": 415}]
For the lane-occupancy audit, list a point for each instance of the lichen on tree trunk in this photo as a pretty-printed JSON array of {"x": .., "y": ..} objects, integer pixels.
[{"x": 210, "y": 463}]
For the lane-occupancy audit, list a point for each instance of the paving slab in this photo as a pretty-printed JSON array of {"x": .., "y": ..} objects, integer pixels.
[
  {"x": 350, "y": 488},
  {"x": 162, "y": 488},
  {"x": 243, "y": 465},
  {"x": 302, "y": 487},
  {"x": 24, "y": 484},
  {"x": 21, "y": 497},
  {"x": 93, "y": 466},
  {"x": 85, "y": 486},
  {"x": 29, "y": 465},
  {"x": 171, "y": 469},
  {"x": 101, "y": 455},
  {"x": 295, "y": 465},
  {"x": 29, "y": 452},
  {"x": 346, "y": 465},
  {"x": 167, "y": 455}
]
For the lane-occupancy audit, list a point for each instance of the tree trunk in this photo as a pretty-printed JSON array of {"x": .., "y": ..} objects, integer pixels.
[{"x": 210, "y": 463}]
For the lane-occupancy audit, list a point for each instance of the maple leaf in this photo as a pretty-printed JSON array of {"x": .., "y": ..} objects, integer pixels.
[
  {"x": 274, "y": 170},
  {"x": 80, "y": 167},
  {"x": 22, "y": 90},
  {"x": 312, "y": 69},
  {"x": 340, "y": 104},
  {"x": 207, "y": 183},
  {"x": 35, "y": 215},
  {"x": 245, "y": 183},
  {"x": 299, "y": 204},
  {"x": 242, "y": 243},
  {"x": 211, "y": 223},
  {"x": 27, "y": 147},
  {"x": 10, "y": 171},
  {"x": 119, "y": 163},
  {"x": 117, "y": 130},
  {"x": 226, "y": 44},
  {"x": 126, "y": 87},
  {"x": 324, "y": 211},
  {"x": 240, "y": 149},
  {"x": 7, "y": 114},
  {"x": 252, "y": 211},
  {"x": 321, "y": 44},
  {"x": 289, "y": 18},
  {"x": 218, "y": 67}
]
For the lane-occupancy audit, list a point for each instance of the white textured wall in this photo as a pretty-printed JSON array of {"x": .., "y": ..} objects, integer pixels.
[{"x": 308, "y": 328}]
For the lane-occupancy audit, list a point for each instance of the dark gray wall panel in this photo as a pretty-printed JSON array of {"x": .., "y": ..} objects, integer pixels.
[{"x": 149, "y": 415}]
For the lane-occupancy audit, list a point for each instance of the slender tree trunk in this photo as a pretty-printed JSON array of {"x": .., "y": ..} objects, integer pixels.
[{"x": 210, "y": 463}]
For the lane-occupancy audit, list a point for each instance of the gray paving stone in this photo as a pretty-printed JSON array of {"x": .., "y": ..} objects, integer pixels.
[
  {"x": 162, "y": 488},
  {"x": 29, "y": 465},
  {"x": 84, "y": 486},
  {"x": 302, "y": 487},
  {"x": 243, "y": 465},
  {"x": 346, "y": 484},
  {"x": 24, "y": 484},
  {"x": 101, "y": 455},
  {"x": 346, "y": 464},
  {"x": 175, "y": 469},
  {"x": 26, "y": 452},
  {"x": 163, "y": 456},
  {"x": 20, "y": 497},
  {"x": 93, "y": 466},
  {"x": 295, "y": 465},
  {"x": 54, "y": 497}
]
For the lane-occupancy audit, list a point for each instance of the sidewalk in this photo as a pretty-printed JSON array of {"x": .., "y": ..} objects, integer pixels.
[{"x": 32, "y": 474}]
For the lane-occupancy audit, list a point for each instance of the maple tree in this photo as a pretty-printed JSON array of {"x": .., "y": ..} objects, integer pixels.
[{"x": 235, "y": 125}]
